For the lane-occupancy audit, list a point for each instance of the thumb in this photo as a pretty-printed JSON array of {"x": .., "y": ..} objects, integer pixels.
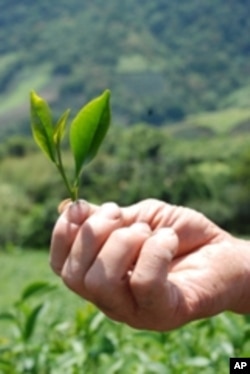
[{"x": 74, "y": 210}]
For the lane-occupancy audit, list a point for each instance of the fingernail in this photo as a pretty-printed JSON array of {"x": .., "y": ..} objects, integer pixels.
[
  {"x": 77, "y": 212},
  {"x": 63, "y": 205}
]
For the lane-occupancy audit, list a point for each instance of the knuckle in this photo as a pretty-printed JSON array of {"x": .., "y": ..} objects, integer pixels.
[
  {"x": 152, "y": 200},
  {"x": 99, "y": 292},
  {"x": 56, "y": 268},
  {"x": 98, "y": 285},
  {"x": 154, "y": 205},
  {"x": 144, "y": 289},
  {"x": 121, "y": 235},
  {"x": 110, "y": 205},
  {"x": 70, "y": 279},
  {"x": 93, "y": 285},
  {"x": 130, "y": 237},
  {"x": 110, "y": 210},
  {"x": 154, "y": 211},
  {"x": 142, "y": 286}
]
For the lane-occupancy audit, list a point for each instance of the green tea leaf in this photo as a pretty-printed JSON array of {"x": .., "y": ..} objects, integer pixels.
[
  {"x": 88, "y": 129},
  {"x": 35, "y": 288},
  {"x": 41, "y": 125},
  {"x": 8, "y": 316},
  {"x": 31, "y": 321},
  {"x": 60, "y": 128}
]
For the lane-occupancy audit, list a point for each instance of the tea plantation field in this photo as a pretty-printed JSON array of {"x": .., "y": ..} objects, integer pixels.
[{"x": 46, "y": 329}]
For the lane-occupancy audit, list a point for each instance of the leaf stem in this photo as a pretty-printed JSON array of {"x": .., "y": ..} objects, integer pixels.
[
  {"x": 73, "y": 192},
  {"x": 76, "y": 187}
]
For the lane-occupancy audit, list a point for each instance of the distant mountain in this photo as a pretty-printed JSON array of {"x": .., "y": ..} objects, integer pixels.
[{"x": 162, "y": 59}]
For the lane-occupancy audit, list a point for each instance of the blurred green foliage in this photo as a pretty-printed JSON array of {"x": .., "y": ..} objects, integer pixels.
[
  {"x": 40, "y": 342},
  {"x": 42, "y": 338},
  {"x": 44, "y": 328}
]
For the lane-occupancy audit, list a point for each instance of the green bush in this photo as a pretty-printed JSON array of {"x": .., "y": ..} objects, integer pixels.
[
  {"x": 14, "y": 204},
  {"x": 30, "y": 191},
  {"x": 35, "y": 228},
  {"x": 40, "y": 342},
  {"x": 211, "y": 175}
]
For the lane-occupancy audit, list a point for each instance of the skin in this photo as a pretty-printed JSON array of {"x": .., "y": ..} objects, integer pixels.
[{"x": 151, "y": 265}]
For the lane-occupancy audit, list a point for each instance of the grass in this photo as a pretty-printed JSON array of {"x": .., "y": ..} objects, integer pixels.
[
  {"x": 137, "y": 63},
  {"x": 221, "y": 122},
  {"x": 20, "y": 268},
  {"x": 18, "y": 96},
  {"x": 7, "y": 60},
  {"x": 210, "y": 124},
  {"x": 239, "y": 98}
]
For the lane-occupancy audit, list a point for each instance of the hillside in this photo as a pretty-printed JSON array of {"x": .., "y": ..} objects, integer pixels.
[{"x": 163, "y": 61}]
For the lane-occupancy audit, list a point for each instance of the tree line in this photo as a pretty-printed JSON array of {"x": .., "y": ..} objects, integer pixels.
[
  {"x": 211, "y": 175},
  {"x": 162, "y": 60}
]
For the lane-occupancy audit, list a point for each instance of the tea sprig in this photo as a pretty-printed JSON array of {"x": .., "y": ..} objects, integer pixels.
[{"x": 87, "y": 131}]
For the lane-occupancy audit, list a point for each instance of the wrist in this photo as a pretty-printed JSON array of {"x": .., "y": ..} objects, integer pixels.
[{"x": 241, "y": 282}]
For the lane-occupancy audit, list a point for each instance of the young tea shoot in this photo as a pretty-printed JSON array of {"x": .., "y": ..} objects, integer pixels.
[{"x": 86, "y": 133}]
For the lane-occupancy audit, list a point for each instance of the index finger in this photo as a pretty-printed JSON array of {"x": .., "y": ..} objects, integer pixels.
[{"x": 65, "y": 230}]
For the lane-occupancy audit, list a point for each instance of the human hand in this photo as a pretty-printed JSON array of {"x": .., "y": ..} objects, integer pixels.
[{"x": 152, "y": 265}]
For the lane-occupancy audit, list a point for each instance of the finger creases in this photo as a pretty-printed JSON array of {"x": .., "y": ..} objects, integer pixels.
[{"x": 148, "y": 281}]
